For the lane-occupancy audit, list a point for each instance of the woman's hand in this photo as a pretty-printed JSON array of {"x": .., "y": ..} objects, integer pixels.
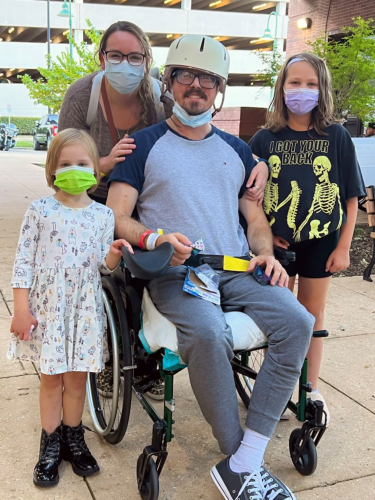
[
  {"x": 257, "y": 182},
  {"x": 339, "y": 260},
  {"x": 118, "y": 154},
  {"x": 22, "y": 325},
  {"x": 182, "y": 250},
  {"x": 278, "y": 241}
]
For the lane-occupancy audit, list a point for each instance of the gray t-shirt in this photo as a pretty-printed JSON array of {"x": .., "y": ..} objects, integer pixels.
[
  {"x": 191, "y": 187},
  {"x": 73, "y": 114}
]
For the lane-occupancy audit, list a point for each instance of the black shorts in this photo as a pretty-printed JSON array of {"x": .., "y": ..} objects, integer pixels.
[{"x": 312, "y": 256}]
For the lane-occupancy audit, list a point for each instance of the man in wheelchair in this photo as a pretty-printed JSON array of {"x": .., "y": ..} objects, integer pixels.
[{"x": 188, "y": 178}]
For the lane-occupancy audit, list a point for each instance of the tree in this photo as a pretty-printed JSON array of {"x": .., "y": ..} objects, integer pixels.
[
  {"x": 272, "y": 61},
  {"x": 50, "y": 89},
  {"x": 352, "y": 64}
]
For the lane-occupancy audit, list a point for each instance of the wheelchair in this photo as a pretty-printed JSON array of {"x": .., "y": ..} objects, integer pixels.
[{"x": 135, "y": 369}]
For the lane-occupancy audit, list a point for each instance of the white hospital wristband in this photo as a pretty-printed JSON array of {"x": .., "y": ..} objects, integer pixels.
[{"x": 151, "y": 240}]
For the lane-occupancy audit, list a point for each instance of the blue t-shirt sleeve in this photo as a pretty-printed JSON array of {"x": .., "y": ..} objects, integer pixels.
[
  {"x": 131, "y": 170},
  {"x": 244, "y": 152}
]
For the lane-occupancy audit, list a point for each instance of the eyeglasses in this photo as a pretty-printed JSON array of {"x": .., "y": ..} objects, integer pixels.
[
  {"x": 116, "y": 57},
  {"x": 187, "y": 78}
]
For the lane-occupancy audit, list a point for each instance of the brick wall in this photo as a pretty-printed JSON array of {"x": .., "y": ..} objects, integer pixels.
[
  {"x": 326, "y": 15},
  {"x": 228, "y": 120}
]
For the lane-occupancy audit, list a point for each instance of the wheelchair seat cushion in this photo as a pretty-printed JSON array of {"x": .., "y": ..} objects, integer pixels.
[{"x": 158, "y": 332}]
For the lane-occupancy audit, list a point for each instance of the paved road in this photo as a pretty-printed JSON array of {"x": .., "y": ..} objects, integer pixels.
[{"x": 346, "y": 467}]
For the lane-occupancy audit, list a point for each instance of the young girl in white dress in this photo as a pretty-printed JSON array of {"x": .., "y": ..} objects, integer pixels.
[{"x": 66, "y": 240}]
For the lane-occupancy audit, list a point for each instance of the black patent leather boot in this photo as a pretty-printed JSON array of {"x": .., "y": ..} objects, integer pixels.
[
  {"x": 46, "y": 471},
  {"x": 75, "y": 451}
]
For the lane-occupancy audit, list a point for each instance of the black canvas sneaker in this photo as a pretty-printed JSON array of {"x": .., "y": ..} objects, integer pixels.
[
  {"x": 233, "y": 486},
  {"x": 249, "y": 485},
  {"x": 273, "y": 488}
]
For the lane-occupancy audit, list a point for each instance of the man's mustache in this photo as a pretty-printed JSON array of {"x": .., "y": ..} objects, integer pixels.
[{"x": 197, "y": 92}]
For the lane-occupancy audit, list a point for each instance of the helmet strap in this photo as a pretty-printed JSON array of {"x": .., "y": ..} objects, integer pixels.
[{"x": 221, "y": 105}]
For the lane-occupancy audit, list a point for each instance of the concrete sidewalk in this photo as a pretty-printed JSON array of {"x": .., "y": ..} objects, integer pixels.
[{"x": 346, "y": 466}]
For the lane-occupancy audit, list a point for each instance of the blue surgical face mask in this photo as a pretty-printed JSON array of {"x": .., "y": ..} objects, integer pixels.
[
  {"x": 191, "y": 120},
  {"x": 301, "y": 101},
  {"x": 123, "y": 77}
]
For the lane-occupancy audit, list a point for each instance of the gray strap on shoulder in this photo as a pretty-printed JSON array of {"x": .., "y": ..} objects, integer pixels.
[
  {"x": 94, "y": 98},
  {"x": 159, "y": 106}
]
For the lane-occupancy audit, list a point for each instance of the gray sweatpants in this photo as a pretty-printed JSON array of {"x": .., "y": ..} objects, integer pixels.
[{"x": 205, "y": 343}]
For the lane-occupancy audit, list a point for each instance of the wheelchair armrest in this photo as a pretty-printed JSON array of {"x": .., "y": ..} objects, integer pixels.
[
  {"x": 148, "y": 265},
  {"x": 283, "y": 254}
]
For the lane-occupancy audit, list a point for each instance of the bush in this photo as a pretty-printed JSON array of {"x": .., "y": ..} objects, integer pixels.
[{"x": 25, "y": 124}]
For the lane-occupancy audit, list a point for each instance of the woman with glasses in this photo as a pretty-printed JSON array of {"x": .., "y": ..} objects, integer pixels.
[
  {"x": 117, "y": 101},
  {"x": 112, "y": 104}
]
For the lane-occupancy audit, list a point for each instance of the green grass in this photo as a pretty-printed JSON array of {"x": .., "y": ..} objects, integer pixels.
[{"x": 24, "y": 144}]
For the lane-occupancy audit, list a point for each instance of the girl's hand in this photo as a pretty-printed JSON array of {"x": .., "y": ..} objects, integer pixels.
[
  {"x": 257, "y": 182},
  {"x": 339, "y": 260},
  {"x": 117, "y": 154},
  {"x": 116, "y": 247},
  {"x": 22, "y": 325},
  {"x": 280, "y": 242}
]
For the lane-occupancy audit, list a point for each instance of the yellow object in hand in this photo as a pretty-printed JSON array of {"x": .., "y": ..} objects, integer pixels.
[
  {"x": 234, "y": 264},
  {"x": 160, "y": 231}
]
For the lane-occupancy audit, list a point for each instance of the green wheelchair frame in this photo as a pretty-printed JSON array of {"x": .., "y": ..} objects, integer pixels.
[{"x": 122, "y": 300}]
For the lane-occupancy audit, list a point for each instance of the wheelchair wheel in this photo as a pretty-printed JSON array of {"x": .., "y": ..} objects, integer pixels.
[
  {"x": 110, "y": 410},
  {"x": 245, "y": 385},
  {"x": 307, "y": 462},
  {"x": 149, "y": 488}
]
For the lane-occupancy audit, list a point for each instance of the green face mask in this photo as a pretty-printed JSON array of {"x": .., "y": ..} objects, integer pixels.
[{"x": 75, "y": 179}]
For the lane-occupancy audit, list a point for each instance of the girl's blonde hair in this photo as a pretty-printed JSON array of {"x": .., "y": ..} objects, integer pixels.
[
  {"x": 145, "y": 89},
  {"x": 322, "y": 115},
  {"x": 68, "y": 137}
]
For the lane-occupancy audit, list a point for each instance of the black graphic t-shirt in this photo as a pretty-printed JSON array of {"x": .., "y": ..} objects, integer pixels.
[{"x": 311, "y": 179}]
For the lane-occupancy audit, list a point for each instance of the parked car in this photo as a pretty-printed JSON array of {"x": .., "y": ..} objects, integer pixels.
[{"x": 45, "y": 129}]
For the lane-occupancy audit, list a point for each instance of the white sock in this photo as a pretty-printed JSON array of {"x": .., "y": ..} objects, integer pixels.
[{"x": 249, "y": 456}]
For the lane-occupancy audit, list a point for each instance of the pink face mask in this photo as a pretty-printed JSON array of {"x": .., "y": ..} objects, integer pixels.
[{"x": 301, "y": 101}]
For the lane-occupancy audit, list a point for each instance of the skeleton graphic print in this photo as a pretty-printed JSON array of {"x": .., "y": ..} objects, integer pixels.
[
  {"x": 59, "y": 255},
  {"x": 311, "y": 179}
]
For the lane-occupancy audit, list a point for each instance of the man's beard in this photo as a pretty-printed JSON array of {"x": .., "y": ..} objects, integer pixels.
[{"x": 191, "y": 109}]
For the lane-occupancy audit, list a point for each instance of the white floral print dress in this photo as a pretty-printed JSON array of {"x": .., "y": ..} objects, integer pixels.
[{"x": 60, "y": 254}]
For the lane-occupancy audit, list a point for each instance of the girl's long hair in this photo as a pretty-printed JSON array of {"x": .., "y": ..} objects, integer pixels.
[
  {"x": 322, "y": 115},
  {"x": 145, "y": 92}
]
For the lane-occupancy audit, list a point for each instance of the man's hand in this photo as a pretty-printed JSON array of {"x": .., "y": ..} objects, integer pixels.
[
  {"x": 180, "y": 243},
  {"x": 22, "y": 325},
  {"x": 269, "y": 263},
  {"x": 117, "y": 154},
  {"x": 339, "y": 260},
  {"x": 257, "y": 182}
]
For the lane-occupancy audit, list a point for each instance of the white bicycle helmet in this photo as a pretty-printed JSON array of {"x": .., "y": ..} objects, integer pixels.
[{"x": 199, "y": 52}]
